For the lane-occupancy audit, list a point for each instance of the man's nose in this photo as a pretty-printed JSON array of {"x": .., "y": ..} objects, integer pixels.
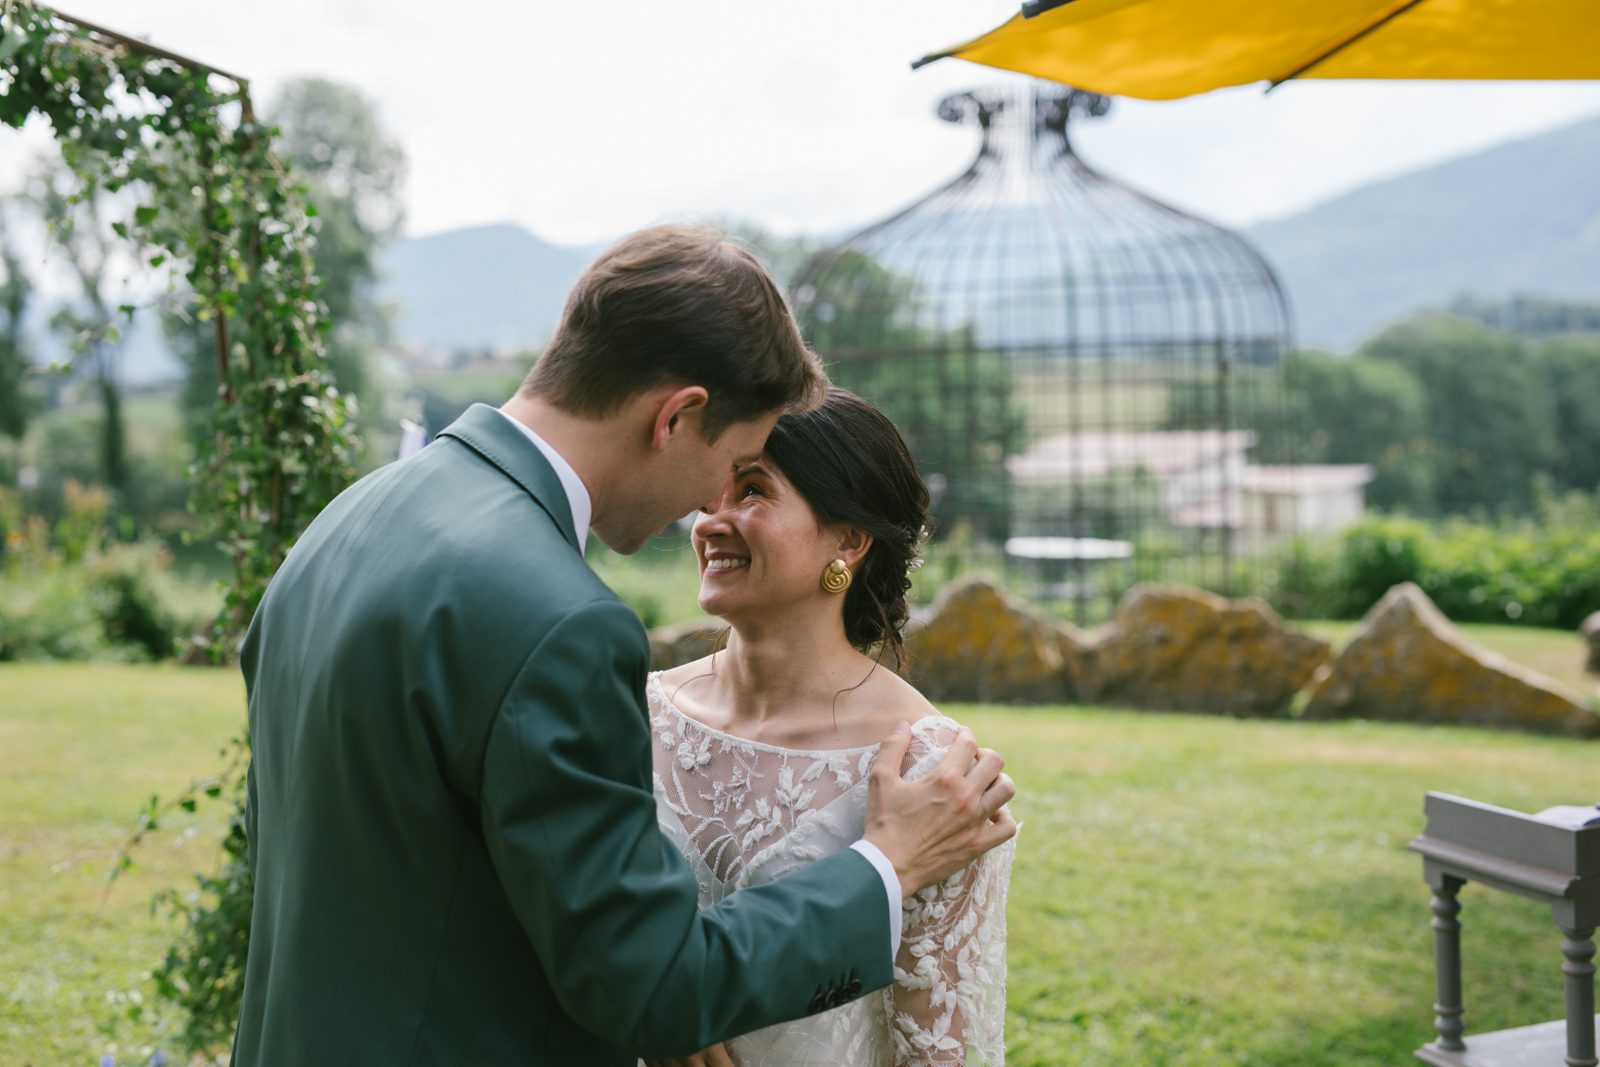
[
  {"x": 722, "y": 501},
  {"x": 713, "y": 516}
]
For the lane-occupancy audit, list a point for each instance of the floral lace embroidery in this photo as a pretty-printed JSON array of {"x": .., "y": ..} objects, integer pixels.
[{"x": 745, "y": 813}]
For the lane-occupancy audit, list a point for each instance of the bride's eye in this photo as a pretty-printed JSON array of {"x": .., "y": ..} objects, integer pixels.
[{"x": 749, "y": 487}]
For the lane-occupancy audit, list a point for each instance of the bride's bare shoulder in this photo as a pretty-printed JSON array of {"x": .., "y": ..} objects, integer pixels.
[
  {"x": 674, "y": 678},
  {"x": 888, "y": 698}
]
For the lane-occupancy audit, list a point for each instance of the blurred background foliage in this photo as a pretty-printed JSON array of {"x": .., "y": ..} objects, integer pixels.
[{"x": 1481, "y": 421}]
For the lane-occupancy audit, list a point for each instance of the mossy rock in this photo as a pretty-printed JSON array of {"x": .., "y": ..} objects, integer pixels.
[
  {"x": 1406, "y": 661},
  {"x": 1591, "y": 636},
  {"x": 1183, "y": 649},
  {"x": 673, "y": 646},
  {"x": 981, "y": 644}
]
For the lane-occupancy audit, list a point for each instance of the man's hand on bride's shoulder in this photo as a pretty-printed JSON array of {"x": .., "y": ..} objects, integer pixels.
[
  {"x": 933, "y": 826},
  {"x": 715, "y": 1056}
]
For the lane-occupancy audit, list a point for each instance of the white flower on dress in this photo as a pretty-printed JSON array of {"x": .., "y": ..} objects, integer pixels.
[
  {"x": 728, "y": 794},
  {"x": 786, "y": 795},
  {"x": 690, "y": 757},
  {"x": 762, "y": 823}
]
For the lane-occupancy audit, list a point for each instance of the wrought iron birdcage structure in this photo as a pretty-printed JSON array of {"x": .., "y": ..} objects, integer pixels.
[{"x": 1088, "y": 377}]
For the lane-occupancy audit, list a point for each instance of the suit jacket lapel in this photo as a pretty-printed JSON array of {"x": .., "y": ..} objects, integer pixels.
[{"x": 490, "y": 434}]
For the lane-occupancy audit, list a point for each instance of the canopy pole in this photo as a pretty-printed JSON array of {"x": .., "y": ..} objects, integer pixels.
[
  {"x": 1342, "y": 45},
  {"x": 1035, "y": 8},
  {"x": 1030, "y": 9}
]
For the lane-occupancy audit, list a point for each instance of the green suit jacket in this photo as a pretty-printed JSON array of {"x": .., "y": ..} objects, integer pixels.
[{"x": 450, "y": 815}]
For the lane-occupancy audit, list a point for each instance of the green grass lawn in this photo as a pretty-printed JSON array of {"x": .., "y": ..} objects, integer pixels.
[
  {"x": 82, "y": 747},
  {"x": 1188, "y": 890}
]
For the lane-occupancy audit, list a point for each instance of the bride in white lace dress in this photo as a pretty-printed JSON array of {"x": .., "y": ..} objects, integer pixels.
[{"x": 762, "y": 750}]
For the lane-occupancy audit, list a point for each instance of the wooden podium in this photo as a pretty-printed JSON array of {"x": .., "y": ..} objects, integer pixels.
[{"x": 1550, "y": 859}]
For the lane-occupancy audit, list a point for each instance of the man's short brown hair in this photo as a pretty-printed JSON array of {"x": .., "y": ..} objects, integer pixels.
[{"x": 678, "y": 304}]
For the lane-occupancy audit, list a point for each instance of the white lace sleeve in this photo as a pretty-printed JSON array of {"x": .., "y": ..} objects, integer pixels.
[{"x": 949, "y": 990}]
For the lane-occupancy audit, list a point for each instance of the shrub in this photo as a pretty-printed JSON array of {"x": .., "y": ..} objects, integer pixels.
[
  {"x": 1528, "y": 573},
  {"x": 12, "y": 527},
  {"x": 82, "y": 526},
  {"x": 1377, "y": 555},
  {"x": 1542, "y": 570},
  {"x": 70, "y": 591},
  {"x": 46, "y": 613},
  {"x": 122, "y": 584},
  {"x": 1307, "y": 580}
]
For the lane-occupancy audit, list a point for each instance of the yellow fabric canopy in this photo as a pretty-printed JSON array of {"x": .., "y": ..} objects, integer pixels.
[{"x": 1164, "y": 49}]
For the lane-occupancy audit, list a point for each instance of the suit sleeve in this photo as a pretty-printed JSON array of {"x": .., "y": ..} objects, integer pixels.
[
  {"x": 247, "y": 666},
  {"x": 610, "y": 905}
]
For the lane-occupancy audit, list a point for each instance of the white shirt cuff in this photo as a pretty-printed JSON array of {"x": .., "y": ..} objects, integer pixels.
[{"x": 891, "y": 887}]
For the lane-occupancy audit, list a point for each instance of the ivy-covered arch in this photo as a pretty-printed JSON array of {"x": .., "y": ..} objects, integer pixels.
[
  {"x": 209, "y": 200},
  {"x": 205, "y": 197}
]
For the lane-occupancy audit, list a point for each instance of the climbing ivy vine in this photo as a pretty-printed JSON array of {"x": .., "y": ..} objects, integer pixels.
[{"x": 177, "y": 147}]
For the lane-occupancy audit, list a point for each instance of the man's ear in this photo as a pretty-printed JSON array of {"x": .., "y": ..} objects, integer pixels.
[
  {"x": 854, "y": 543},
  {"x": 675, "y": 411}
]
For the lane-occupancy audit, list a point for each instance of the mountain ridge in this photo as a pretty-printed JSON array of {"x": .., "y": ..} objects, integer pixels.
[
  {"x": 492, "y": 287},
  {"x": 1518, "y": 218}
]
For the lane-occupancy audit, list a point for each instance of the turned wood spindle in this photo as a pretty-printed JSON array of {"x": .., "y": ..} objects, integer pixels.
[
  {"x": 1447, "y": 964},
  {"x": 1578, "y": 948}
]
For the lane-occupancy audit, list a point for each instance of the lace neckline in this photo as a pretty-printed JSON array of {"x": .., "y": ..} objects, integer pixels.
[{"x": 666, "y": 702}]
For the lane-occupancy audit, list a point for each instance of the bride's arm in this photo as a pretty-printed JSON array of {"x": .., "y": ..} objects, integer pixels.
[{"x": 949, "y": 987}]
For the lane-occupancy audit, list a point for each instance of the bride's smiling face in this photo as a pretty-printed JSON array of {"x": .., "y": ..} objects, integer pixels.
[{"x": 759, "y": 545}]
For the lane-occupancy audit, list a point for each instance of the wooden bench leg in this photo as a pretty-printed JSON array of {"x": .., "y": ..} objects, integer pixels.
[
  {"x": 1578, "y": 948},
  {"x": 1447, "y": 1007}
]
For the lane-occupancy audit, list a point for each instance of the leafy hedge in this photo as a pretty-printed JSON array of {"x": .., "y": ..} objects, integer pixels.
[
  {"x": 1542, "y": 570},
  {"x": 69, "y": 591}
]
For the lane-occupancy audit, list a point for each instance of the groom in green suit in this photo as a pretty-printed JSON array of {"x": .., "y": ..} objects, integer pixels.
[{"x": 450, "y": 816}]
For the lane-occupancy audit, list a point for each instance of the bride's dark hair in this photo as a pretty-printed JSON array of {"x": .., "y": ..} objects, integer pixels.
[{"x": 853, "y": 467}]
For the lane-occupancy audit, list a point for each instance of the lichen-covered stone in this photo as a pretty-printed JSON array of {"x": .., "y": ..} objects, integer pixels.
[
  {"x": 1406, "y": 661},
  {"x": 982, "y": 644},
  {"x": 1183, "y": 649},
  {"x": 1591, "y": 634},
  {"x": 672, "y": 646},
  {"x": 1077, "y": 648}
]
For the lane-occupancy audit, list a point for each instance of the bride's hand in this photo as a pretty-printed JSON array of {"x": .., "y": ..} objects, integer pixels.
[{"x": 715, "y": 1056}]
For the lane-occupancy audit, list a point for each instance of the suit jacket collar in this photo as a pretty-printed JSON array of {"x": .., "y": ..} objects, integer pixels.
[{"x": 488, "y": 433}]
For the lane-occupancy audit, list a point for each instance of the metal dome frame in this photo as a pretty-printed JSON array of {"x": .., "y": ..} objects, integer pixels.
[{"x": 1081, "y": 370}]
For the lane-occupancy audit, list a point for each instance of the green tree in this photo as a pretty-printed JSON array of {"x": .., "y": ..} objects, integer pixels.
[
  {"x": 76, "y": 216},
  {"x": 1354, "y": 409},
  {"x": 785, "y": 257},
  {"x": 1531, "y": 316},
  {"x": 354, "y": 172},
  {"x": 1570, "y": 370},
  {"x": 15, "y": 357},
  {"x": 1325, "y": 408},
  {"x": 1489, "y": 421}
]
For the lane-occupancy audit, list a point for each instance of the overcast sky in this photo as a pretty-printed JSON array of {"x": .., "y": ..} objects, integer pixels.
[{"x": 583, "y": 120}]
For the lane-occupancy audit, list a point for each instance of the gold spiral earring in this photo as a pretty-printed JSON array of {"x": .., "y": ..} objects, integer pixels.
[{"x": 836, "y": 577}]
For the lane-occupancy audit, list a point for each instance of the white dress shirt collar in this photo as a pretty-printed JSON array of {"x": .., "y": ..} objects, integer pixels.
[{"x": 577, "y": 493}]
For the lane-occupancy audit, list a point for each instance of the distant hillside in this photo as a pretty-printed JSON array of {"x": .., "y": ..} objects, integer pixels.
[
  {"x": 493, "y": 286},
  {"x": 1519, "y": 218}
]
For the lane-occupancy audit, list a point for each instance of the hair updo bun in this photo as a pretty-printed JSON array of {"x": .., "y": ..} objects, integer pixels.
[{"x": 853, "y": 467}]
